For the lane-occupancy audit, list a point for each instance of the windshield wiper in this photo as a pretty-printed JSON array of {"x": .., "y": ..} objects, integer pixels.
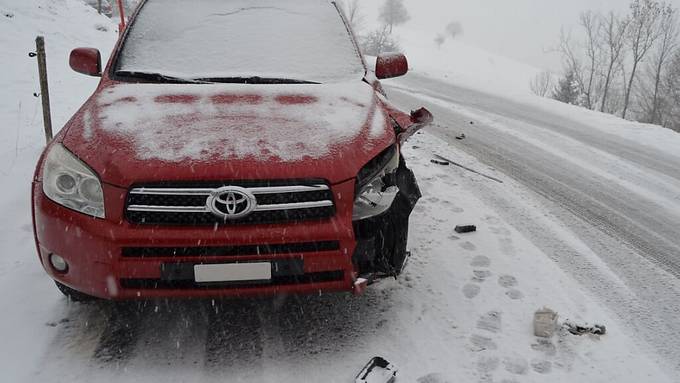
[
  {"x": 255, "y": 80},
  {"x": 159, "y": 77}
]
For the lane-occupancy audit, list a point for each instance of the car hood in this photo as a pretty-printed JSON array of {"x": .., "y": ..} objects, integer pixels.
[{"x": 136, "y": 133}]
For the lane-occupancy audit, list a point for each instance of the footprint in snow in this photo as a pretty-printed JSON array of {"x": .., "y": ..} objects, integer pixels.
[
  {"x": 541, "y": 366},
  {"x": 490, "y": 321},
  {"x": 467, "y": 245},
  {"x": 481, "y": 343},
  {"x": 545, "y": 346},
  {"x": 480, "y": 261},
  {"x": 507, "y": 281},
  {"x": 516, "y": 365},
  {"x": 487, "y": 364},
  {"x": 514, "y": 294},
  {"x": 432, "y": 199},
  {"x": 471, "y": 290},
  {"x": 480, "y": 275}
]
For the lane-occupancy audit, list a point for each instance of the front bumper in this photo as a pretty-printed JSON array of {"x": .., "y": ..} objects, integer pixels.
[{"x": 102, "y": 264}]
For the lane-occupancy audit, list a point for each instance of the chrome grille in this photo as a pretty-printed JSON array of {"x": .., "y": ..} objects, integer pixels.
[{"x": 187, "y": 205}]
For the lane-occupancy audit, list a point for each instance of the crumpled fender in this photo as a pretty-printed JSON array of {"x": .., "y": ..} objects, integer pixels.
[
  {"x": 407, "y": 125},
  {"x": 419, "y": 119}
]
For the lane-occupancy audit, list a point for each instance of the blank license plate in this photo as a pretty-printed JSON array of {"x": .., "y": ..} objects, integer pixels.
[{"x": 233, "y": 272}]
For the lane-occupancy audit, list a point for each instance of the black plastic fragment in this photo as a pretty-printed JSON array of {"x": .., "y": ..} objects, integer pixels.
[
  {"x": 438, "y": 161},
  {"x": 466, "y": 228}
]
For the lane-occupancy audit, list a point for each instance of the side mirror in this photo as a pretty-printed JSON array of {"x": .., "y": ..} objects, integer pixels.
[
  {"x": 86, "y": 61},
  {"x": 391, "y": 65}
]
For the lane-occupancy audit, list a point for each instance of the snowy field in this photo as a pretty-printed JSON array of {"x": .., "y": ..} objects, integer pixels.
[{"x": 462, "y": 312}]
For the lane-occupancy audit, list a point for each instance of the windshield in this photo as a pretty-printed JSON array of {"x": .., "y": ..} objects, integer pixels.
[{"x": 297, "y": 40}]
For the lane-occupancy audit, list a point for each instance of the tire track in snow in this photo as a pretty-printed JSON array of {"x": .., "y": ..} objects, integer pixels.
[
  {"x": 171, "y": 333},
  {"x": 632, "y": 220},
  {"x": 118, "y": 340},
  {"x": 234, "y": 338}
]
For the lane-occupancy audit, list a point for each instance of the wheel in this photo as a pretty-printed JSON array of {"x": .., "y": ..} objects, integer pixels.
[{"x": 74, "y": 295}]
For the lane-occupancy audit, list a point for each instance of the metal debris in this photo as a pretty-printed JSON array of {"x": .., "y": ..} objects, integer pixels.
[{"x": 440, "y": 158}]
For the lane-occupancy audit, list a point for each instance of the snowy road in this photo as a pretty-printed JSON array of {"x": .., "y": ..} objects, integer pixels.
[
  {"x": 630, "y": 191},
  {"x": 620, "y": 197}
]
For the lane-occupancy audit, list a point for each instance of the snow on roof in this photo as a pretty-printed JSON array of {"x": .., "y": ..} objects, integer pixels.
[
  {"x": 292, "y": 39},
  {"x": 174, "y": 122}
]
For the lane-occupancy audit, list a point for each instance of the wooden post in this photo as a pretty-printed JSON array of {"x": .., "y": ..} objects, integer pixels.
[
  {"x": 44, "y": 89},
  {"x": 99, "y": 6}
]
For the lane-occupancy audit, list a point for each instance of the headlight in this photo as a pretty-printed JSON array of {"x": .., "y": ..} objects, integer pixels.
[
  {"x": 69, "y": 182},
  {"x": 376, "y": 185}
]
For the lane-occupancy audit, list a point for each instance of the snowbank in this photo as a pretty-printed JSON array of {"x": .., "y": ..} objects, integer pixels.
[{"x": 29, "y": 299}]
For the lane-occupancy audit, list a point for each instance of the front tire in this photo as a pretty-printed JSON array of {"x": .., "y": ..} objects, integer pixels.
[{"x": 75, "y": 295}]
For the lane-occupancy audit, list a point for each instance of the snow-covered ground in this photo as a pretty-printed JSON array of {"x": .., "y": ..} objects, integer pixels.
[{"x": 462, "y": 312}]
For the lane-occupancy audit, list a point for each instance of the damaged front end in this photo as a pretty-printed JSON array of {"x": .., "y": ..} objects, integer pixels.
[{"x": 381, "y": 239}]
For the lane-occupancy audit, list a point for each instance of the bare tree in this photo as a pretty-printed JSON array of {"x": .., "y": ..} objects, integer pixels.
[
  {"x": 542, "y": 84},
  {"x": 454, "y": 29},
  {"x": 379, "y": 41},
  {"x": 642, "y": 35},
  {"x": 591, "y": 24},
  {"x": 440, "y": 39},
  {"x": 667, "y": 44},
  {"x": 393, "y": 12},
  {"x": 671, "y": 85},
  {"x": 613, "y": 37},
  {"x": 570, "y": 56},
  {"x": 353, "y": 13}
]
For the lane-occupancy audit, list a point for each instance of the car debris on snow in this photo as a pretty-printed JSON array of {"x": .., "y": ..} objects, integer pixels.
[
  {"x": 545, "y": 322},
  {"x": 438, "y": 161},
  {"x": 461, "y": 136},
  {"x": 582, "y": 329},
  {"x": 377, "y": 370},
  {"x": 461, "y": 229},
  {"x": 440, "y": 158}
]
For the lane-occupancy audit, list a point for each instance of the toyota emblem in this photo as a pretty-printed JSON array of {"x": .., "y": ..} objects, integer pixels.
[{"x": 231, "y": 202}]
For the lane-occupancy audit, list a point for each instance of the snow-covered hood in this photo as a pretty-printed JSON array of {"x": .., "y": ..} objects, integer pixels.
[{"x": 130, "y": 133}]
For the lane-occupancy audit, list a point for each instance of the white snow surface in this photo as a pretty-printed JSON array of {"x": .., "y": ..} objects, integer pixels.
[
  {"x": 462, "y": 312},
  {"x": 284, "y": 122},
  {"x": 295, "y": 39}
]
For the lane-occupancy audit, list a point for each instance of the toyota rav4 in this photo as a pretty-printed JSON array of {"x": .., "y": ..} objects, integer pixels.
[{"x": 231, "y": 148}]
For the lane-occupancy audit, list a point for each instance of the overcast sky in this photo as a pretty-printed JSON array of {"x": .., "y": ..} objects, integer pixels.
[{"x": 525, "y": 30}]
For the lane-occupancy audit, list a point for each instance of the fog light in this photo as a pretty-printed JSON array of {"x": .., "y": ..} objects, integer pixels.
[{"x": 58, "y": 263}]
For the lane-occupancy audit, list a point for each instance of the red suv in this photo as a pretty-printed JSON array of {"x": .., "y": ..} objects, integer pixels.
[{"x": 232, "y": 148}]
